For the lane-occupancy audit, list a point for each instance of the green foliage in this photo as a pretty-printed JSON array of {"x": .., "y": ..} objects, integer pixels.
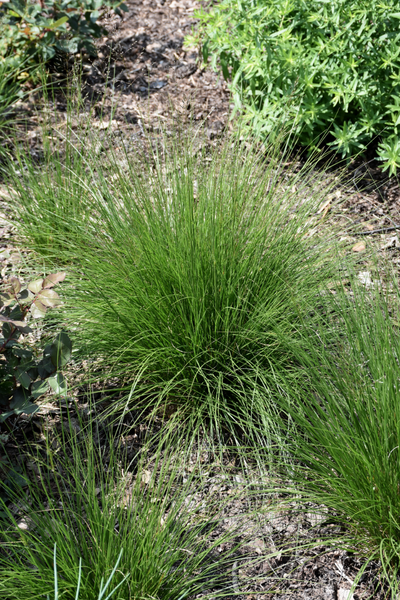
[
  {"x": 12, "y": 79},
  {"x": 41, "y": 28},
  {"x": 23, "y": 378},
  {"x": 103, "y": 588},
  {"x": 10, "y": 90},
  {"x": 32, "y": 32},
  {"x": 12, "y": 479},
  {"x": 317, "y": 65},
  {"x": 347, "y": 437},
  {"x": 190, "y": 272},
  {"x": 153, "y": 509}
]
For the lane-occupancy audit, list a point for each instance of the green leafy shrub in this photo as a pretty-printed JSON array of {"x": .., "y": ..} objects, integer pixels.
[
  {"x": 189, "y": 272},
  {"x": 23, "y": 378},
  {"x": 41, "y": 28},
  {"x": 316, "y": 65}
]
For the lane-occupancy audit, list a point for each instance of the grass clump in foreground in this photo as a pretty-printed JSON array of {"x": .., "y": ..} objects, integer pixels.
[
  {"x": 346, "y": 435},
  {"x": 190, "y": 270},
  {"x": 89, "y": 509}
]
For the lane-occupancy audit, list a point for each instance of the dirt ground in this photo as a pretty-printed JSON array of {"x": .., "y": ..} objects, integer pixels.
[{"x": 143, "y": 76}]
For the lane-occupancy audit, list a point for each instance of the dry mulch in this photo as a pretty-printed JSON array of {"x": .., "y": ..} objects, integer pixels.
[{"x": 143, "y": 76}]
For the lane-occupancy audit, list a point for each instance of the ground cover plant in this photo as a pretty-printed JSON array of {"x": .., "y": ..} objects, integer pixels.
[
  {"x": 189, "y": 270},
  {"x": 346, "y": 435},
  {"x": 24, "y": 375},
  {"x": 89, "y": 509},
  {"x": 318, "y": 66}
]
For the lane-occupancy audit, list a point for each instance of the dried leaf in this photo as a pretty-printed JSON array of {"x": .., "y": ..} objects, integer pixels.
[
  {"x": 146, "y": 477},
  {"x": 391, "y": 242},
  {"x": 52, "y": 279},
  {"x": 359, "y": 247},
  {"x": 15, "y": 285},
  {"x": 324, "y": 208}
]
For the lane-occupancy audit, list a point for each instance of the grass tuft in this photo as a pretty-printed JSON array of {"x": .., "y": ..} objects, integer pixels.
[
  {"x": 87, "y": 503},
  {"x": 191, "y": 266},
  {"x": 346, "y": 428}
]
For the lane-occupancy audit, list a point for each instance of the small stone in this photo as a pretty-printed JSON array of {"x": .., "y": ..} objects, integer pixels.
[{"x": 359, "y": 247}]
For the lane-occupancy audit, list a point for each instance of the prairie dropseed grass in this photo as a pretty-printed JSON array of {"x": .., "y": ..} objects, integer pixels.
[{"x": 191, "y": 266}]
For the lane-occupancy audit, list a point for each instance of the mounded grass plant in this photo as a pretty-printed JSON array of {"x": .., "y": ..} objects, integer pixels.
[
  {"x": 88, "y": 510},
  {"x": 190, "y": 266},
  {"x": 345, "y": 438}
]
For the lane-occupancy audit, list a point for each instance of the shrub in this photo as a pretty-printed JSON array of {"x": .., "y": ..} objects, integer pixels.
[
  {"x": 190, "y": 272},
  {"x": 23, "y": 378},
  {"x": 42, "y": 28},
  {"x": 316, "y": 65},
  {"x": 346, "y": 437}
]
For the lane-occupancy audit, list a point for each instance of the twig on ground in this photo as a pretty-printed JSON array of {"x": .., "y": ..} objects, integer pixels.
[{"x": 382, "y": 230}]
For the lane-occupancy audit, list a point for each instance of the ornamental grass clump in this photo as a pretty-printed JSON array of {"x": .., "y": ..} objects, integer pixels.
[
  {"x": 190, "y": 267},
  {"x": 86, "y": 509},
  {"x": 346, "y": 424}
]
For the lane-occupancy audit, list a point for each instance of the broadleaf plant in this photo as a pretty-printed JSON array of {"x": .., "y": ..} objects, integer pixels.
[
  {"x": 328, "y": 70},
  {"x": 23, "y": 377},
  {"x": 42, "y": 28}
]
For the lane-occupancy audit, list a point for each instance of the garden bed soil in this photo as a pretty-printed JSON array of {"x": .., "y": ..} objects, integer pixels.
[{"x": 142, "y": 77}]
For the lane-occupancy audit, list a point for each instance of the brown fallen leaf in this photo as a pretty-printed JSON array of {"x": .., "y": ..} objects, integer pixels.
[{"x": 359, "y": 247}]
